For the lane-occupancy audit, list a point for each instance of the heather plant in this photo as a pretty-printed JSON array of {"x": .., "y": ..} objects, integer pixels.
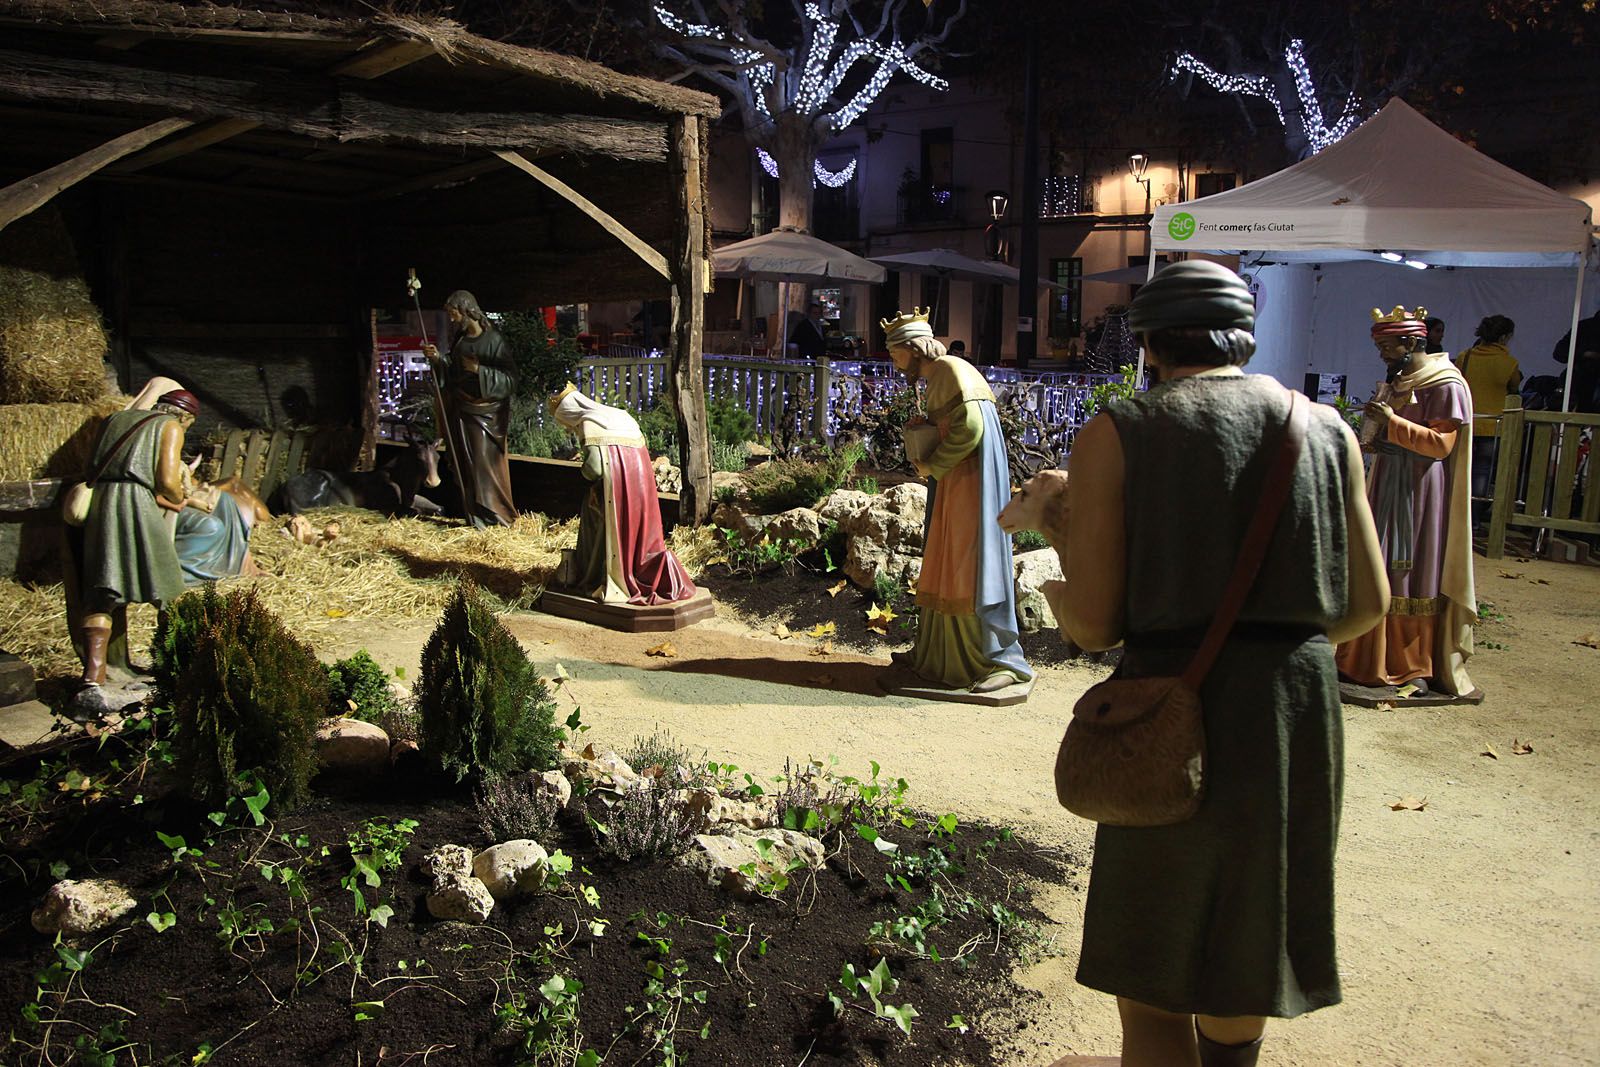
[
  {"x": 515, "y": 807},
  {"x": 485, "y": 712},
  {"x": 248, "y": 699},
  {"x": 647, "y": 822}
]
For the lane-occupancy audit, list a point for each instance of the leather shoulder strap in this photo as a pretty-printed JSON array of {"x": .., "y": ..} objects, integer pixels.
[{"x": 1280, "y": 479}]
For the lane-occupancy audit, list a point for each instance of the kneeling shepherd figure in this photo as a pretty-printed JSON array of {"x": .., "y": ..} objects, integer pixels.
[{"x": 622, "y": 557}]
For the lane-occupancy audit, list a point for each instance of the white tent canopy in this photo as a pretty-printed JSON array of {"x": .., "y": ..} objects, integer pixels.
[{"x": 1398, "y": 185}]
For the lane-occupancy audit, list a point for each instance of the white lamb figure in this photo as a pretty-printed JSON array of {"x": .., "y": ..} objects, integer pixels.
[{"x": 1041, "y": 504}]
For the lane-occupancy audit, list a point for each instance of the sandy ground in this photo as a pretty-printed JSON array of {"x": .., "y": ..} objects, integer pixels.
[{"x": 1468, "y": 930}]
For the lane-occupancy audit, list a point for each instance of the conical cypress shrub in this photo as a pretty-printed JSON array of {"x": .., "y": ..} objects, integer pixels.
[{"x": 485, "y": 712}]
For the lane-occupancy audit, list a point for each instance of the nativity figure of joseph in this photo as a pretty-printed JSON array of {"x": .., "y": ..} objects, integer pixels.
[{"x": 477, "y": 379}]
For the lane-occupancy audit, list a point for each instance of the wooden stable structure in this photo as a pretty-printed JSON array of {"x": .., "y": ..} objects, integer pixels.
[
  {"x": 1539, "y": 454},
  {"x": 244, "y": 186}
]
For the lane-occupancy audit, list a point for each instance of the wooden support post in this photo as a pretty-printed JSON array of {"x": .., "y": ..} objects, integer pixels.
[
  {"x": 824, "y": 387},
  {"x": 655, "y": 259},
  {"x": 1505, "y": 477},
  {"x": 30, "y": 194},
  {"x": 688, "y": 318}
]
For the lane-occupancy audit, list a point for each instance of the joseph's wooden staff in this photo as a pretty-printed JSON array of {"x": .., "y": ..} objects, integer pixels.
[{"x": 456, "y": 455}]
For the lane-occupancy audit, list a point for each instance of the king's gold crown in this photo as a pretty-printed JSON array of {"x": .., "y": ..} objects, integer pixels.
[
  {"x": 906, "y": 318},
  {"x": 1399, "y": 314}
]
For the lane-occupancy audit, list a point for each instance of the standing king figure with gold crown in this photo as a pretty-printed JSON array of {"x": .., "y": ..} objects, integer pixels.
[
  {"x": 1420, "y": 427},
  {"x": 967, "y": 630}
]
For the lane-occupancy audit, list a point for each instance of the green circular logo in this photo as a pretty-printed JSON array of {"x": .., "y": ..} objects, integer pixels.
[{"x": 1181, "y": 226}]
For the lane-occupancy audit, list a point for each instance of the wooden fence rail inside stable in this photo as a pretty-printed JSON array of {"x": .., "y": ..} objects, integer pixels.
[
  {"x": 816, "y": 395},
  {"x": 1543, "y": 452}
]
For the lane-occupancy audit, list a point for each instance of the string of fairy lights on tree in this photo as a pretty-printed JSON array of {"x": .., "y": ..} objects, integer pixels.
[
  {"x": 823, "y": 69},
  {"x": 821, "y": 175},
  {"x": 1318, "y": 133}
]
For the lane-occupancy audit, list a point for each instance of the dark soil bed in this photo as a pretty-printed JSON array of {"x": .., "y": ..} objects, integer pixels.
[{"x": 258, "y": 975}]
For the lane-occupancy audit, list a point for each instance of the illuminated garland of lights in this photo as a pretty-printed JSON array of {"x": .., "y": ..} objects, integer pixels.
[
  {"x": 821, "y": 175},
  {"x": 1319, "y": 134},
  {"x": 821, "y": 73}
]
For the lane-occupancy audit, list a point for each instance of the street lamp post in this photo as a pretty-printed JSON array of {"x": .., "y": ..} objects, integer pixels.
[
  {"x": 1136, "y": 166},
  {"x": 994, "y": 243}
]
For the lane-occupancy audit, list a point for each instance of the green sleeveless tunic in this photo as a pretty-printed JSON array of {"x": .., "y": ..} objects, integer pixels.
[
  {"x": 1230, "y": 913},
  {"x": 128, "y": 552}
]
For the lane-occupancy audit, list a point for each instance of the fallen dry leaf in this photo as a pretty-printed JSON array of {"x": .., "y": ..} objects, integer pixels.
[
  {"x": 1488, "y": 750},
  {"x": 824, "y": 649},
  {"x": 1385, "y": 705},
  {"x": 1588, "y": 641},
  {"x": 837, "y": 588},
  {"x": 782, "y": 632},
  {"x": 665, "y": 650},
  {"x": 1406, "y": 690},
  {"x": 1409, "y": 803},
  {"x": 1539, "y": 581},
  {"x": 1521, "y": 748},
  {"x": 561, "y": 674},
  {"x": 879, "y": 618},
  {"x": 823, "y": 629},
  {"x": 1512, "y": 574},
  {"x": 336, "y": 613},
  {"x": 911, "y": 590}
]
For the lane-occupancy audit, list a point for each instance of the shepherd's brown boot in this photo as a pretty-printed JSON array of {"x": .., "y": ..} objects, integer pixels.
[
  {"x": 1216, "y": 1054},
  {"x": 95, "y": 640}
]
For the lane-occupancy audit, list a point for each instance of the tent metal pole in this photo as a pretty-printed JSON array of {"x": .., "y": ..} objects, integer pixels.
[
  {"x": 1149, "y": 272},
  {"x": 1572, "y": 338}
]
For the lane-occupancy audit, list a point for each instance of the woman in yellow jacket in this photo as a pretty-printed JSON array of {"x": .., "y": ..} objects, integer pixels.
[{"x": 1491, "y": 373}]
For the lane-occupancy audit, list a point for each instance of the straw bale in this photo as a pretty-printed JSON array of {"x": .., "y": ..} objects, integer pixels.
[
  {"x": 51, "y": 440},
  {"x": 52, "y": 344}
]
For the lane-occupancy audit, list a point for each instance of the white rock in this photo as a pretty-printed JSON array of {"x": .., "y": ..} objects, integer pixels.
[
  {"x": 606, "y": 771},
  {"x": 711, "y": 808},
  {"x": 460, "y": 899},
  {"x": 73, "y": 908},
  {"x": 669, "y": 479},
  {"x": 884, "y": 532},
  {"x": 512, "y": 868},
  {"x": 720, "y": 856},
  {"x": 351, "y": 745},
  {"x": 1033, "y": 569},
  {"x": 555, "y": 783},
  {"x": 447, "y": 861}
]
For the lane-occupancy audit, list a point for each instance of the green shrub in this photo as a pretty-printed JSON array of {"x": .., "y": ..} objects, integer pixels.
[
  {"x": 359, "y": 688},
  {"x": 485, "y": 713},
  {"x": 1107, "y": 391},
  {"x": 887, "y": 590},
  {"x": 1028, "y": 540},
  {"x": 545, "y": 358},
  {"x": 248, "y": 700},
  {"x": 528, "y": 436},
  {"x": 726, "y": 457},
  {"x": 800, "y": 483},
  {"x": 729, "y": 422},
  {"x": 660, "y": 428},
  {"x": 177, "y": 632},
  {"x": 867, "y": 484}
]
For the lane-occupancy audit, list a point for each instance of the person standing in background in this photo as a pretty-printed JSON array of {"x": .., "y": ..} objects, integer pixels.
[
  {"x": 1586, "y": 372},
  {"x": 1491, "y": 373},
  {"x": 1435, "y": 333}
]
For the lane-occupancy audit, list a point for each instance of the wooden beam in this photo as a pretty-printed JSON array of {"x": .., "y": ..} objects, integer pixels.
[
  {"x": 30, "y": 194},
  {"x": 207, "y": 133},
  {"x": 322, "y": 107},
  {"x": 379, "y": 59},
  {"x": 616, "y": 229},
  {"x": 436, "y": 178},
  {"x": 688, "y": 319},
  {"x": 371, "y": 62}
]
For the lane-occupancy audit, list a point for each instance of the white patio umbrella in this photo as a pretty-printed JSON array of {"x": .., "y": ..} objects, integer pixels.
[
  {"x": 786, "y": 256},
  {"x": 790, "y": 256}
]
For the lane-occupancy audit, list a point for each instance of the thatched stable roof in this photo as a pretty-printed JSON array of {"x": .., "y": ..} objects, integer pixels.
[{"x": 316, "y": 37}]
